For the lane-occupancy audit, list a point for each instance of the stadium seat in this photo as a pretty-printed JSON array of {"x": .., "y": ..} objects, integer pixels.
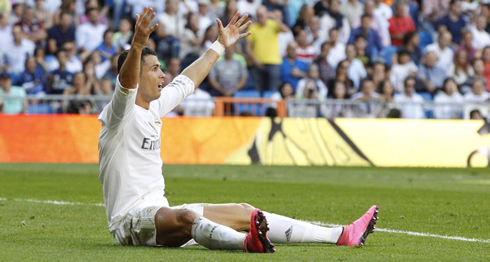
[
  {"x": 426, "y": 96},
  {"x": 40, "y": 109},
  {"x": 252, "y": 108},
  {"x": 425, "y": 39},
  {"x": 249, "y": 85},
  {"x": 429, "y": 110},
  {"x": 388, "y": 52},
  {"x": 268, "y": 93}
]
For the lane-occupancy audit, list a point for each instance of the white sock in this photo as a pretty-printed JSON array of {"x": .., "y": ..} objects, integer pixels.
[
  {"x": 216, "y": 236},
  {"x": 287, "y": 230}
]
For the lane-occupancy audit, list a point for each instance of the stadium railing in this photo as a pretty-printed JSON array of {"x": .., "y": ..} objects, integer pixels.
[{"x": 234, "y": 106}]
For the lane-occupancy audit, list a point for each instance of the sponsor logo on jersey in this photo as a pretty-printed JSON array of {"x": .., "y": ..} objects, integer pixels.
[{"x": 152, "y": 143}]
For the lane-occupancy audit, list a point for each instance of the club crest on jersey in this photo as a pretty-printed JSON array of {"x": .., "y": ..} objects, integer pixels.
[{"x": 158, "y": 122}]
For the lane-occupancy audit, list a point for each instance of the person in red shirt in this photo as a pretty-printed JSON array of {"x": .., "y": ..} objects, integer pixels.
[{"x": 400, "y": 24}]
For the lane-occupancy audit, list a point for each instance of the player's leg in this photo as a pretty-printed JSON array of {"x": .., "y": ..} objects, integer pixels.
[
  {"x": 287, "y": 230},
  {"x": 176, "y": 227}
]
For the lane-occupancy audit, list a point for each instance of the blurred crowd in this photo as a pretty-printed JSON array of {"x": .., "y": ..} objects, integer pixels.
[{"x": 371, "y": 51}]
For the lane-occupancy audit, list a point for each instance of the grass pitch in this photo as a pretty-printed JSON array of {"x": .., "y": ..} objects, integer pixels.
[{"x": 420, "y": 210}]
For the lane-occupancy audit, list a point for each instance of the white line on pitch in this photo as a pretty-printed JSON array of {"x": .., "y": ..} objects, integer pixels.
[
  {"x": 54, "y": 202},
  {"x": 411, "y": 233}
]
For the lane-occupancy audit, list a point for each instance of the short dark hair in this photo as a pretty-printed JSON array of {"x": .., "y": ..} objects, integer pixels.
[
  {"x": 146, "y": 51},
  {"x": 408, "y": 79}
]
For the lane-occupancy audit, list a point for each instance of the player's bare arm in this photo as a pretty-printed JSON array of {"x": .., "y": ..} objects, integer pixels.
[
  {"x": 227, "y": 36},
  {"x": 129, "y": 75}
]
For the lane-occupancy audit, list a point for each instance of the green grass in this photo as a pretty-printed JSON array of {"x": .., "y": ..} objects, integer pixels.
[{"x": 452, "y": 202}]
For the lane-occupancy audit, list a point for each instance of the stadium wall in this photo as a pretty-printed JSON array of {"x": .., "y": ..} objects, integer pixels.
[{"x": 288, "y": 141}]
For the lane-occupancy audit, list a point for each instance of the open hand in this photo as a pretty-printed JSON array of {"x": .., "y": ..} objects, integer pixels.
[
  {"x": 231, "y": 33},
  {"x": 142, "y": 29}
]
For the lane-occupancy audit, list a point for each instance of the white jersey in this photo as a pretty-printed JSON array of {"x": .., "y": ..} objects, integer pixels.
[{"x": 129, "y": 149}]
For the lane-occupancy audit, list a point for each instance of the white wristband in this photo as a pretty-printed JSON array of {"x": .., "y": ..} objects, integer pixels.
[{"x": 218, "y": 47}]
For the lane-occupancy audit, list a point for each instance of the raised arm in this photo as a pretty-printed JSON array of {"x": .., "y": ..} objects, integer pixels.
[
  {"x": 129, "y": 76},
  {"x": 228, "y": 36}
]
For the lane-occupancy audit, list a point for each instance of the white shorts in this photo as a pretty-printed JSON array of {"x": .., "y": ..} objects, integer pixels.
[{"x": 138, "y": 226}]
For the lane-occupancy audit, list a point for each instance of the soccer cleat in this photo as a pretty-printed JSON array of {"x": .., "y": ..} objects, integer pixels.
[
  {"x": 257, "y": 240},
  {"x": 356, "y": 233}
]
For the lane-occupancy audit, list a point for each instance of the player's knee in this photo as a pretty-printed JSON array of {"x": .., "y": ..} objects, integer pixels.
[{"x": 186, "y": 217}]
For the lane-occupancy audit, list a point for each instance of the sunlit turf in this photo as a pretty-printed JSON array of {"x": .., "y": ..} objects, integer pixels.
[{"x": 443, "y": 202}]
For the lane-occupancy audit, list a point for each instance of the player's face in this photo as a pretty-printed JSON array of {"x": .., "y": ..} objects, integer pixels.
[{"x": 152, "y": 79}]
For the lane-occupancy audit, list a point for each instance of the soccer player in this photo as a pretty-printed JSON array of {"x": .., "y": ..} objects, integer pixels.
[{"x": 131, "y": 168}]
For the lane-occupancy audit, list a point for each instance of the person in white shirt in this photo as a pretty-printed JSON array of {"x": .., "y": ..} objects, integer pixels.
[
  {"x": 442, "y": 50},
  {"x": 481, "y": 38},
  {"x": 199, "y": 103},
  {"x": 130, "y": 166},
  {"x": 405, "y": 68},
  {"x": 448, "y": 104},
  {"x": 17, "y": 50},
  {"x": 337, "y": 50},
  {"x": 357, "y": 71},
  {"x": 409, "y": 101},
  {"x": 90, "y": 35},
  {"x": 334, "y": 19},
  {"x": 477, "y": 94}
]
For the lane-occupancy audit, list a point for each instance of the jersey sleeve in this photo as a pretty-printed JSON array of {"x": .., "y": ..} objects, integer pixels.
[
  {"x": 121, "y": 106},
  {"x": 174, "y": 93}
]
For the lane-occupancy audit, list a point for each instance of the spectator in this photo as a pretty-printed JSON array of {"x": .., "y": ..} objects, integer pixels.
[
  {"x": 383, "y": 11},
  {"x": 337, "y": 50},
  {"x": 89, "y": 4},
  {"x": 481, "y": 38},
  {"x": 434, "y": 10},
  {"x": 11, "y": 97},
  {"x": 460, "y": 70},
  {"x": 82, "y": 86},
  {"x": 467, "y": 45},
  {"x": 485, "y": 56},
  {"x": 174, "y": 66},
  {"x": 321, "y": 8},
  {"x": 430, "y": 75},
  {"x": 361, "y": 47},
  {"x": 313, "y": 32},
  {"x": 477, "y": 94},
  {"x": 475, "y": 114},
  {"x": 138, "y": 6},
  {"x": 378, "y": 24},
  {"x": 377, "y": 72},
  {"x": 190, "y": 41},
  {"x": 248, "y": 7},
  {"x": 263, "y": 51},
  {"x": 90, "y": 35},
  {"x": 230, "y": 10},
  {"x": 285, "y": 92},
  {"x": 17, "y": 51},
  {"x": 60, "y": 33},
  {"x": 478, "y": 70},
  {"x": 110, "y": 75},
  {"x": 352, "y": 10},
  {"x": 411, "y": 43},
  {"x": 386, "y": 91},
  {"x": 400, "y": 24},
  {"x": 442, "y": 50},
  {"x": 228, "y": 75},
  {"x": 206, "y": 18},
  {"x": 74, "y": 63},
  {"x": 32, "y": 28},
  {"x": 313, "y": 76},
  {"x": 374, "y": 45},
  {"x": 67, "y": 6},
  {"x": 210, "y": 35},
  {"x": 327, "y": 72},
  {"x": 334, "y": 19},
  {"x": 341, "y": 75},
  {"x": 370, "y": 106},
  {"x": 60, "y": 79},
  {"x": 356, "y": 70},
  {"x": 410, "y": 102},
  {"x": 6, "y": 36},
  {"x": 42, "y": 14},
  {"x": 283, "y": 38},
  {"x": 33, "y": 78},
  {"x": 107, "y": 48},
  {"x": 404, "y": 68},
  {"x": 334, "y": 110},
  {"x": 170, "y": 28},
  {"x": 123, "y": 36},
  {"x": 292, "y": 69},
  {"x": 17, "y": 11},
  {"x": 305, "y": 14},
  {"x": 448, "y": 104},
  {"x": 305, "y": 51},
  {"x": 454, "y": 21}
]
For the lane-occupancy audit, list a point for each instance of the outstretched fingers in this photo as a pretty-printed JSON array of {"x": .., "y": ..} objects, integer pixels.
[
  {"x": 242, "y": 19},
  {"x": 244, "y": 26},
  {"x": 234, "y": 19},
  {"x": 245, "y": 34}
]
